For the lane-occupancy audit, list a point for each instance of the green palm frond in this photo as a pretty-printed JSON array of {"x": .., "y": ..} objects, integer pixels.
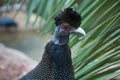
[{"x": 96, "y": 56}]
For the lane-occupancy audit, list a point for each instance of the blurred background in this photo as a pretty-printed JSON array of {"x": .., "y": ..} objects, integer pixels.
[
  {"x": 27, "y": 25},
  {"x": 25, "y": 37}
]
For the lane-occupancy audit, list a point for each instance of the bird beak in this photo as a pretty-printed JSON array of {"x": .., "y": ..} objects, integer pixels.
[{"x": 78, "y": 31}]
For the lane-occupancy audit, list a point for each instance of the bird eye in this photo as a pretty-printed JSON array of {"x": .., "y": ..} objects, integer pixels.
[{"x": 66, "y": 27}]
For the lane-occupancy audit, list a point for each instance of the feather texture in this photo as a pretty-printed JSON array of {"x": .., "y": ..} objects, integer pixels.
[{"x": 56, "y": 64}]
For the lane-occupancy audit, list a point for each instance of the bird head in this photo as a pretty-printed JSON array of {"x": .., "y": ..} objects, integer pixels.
[{"x": 70, "y": 21}]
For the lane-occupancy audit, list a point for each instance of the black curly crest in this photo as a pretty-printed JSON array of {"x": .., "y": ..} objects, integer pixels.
[
  {"x": 70, "y": 16},
  {"x": 73, "y": 14}
]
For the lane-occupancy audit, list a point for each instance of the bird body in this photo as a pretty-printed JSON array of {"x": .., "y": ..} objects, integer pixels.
[
  {"x": 7, "y": 22},
  {"x": 56, "y": 63}
]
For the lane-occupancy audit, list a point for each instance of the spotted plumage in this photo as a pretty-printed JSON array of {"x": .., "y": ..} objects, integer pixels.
[{"x": 56, "y": 63}]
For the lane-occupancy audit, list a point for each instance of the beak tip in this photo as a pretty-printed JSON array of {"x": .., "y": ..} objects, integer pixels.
[
  {"x": 80, "y": 30},
  {"x": 84, "y": 34}
]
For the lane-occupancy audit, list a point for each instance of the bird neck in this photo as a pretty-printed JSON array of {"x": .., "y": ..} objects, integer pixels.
[{"x": 60, "y": 37}]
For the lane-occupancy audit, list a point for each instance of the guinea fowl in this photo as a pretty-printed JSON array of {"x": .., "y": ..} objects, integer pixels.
[
  {"x": 56, "y": 63},
  {"x": 7, "y": 24}
]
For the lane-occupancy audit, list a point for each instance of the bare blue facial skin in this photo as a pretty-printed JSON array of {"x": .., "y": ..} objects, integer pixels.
[{"x": 60, "y": 36}]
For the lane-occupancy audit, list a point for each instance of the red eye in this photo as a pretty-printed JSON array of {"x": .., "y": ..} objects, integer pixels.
[{"x": 66, "y": 27}]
